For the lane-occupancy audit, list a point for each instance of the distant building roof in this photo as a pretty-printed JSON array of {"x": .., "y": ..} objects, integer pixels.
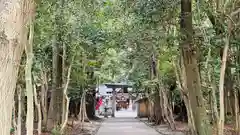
[
  {"x": 105, "y": 88},
  {"x": 141, "y": 99},
  {"x": 117, "y": 85}
]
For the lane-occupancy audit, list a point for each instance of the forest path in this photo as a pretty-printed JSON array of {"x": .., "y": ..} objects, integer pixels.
[{"x": 125, "y": 126}]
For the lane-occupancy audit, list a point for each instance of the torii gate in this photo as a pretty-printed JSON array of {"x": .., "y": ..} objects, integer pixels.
[{"x": 114, "y": 86}]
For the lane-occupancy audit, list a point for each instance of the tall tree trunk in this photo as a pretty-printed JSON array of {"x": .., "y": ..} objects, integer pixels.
[
  {"x": 19, "y": 118},
  {"x": 222, "y": 78},
  {"x": 181, "y": 82},
  {"x": 13, "y": 121},
  {"x": 150, "y": 110},
  {"x": 81, "y": 111},
  {"x": 85, "y": 110},
  {"x": 80, "y": 108},
  {"x": 55, "y": 111},
  {"x": 180, "y": 73},
  {"x": 237, "y": 94},
  {"x": 157, "y": 108},
  {"x": 28, "y": 76},
  {"x": 228, "y": 90},
  {"x": 168, "y": 110},
  {"x": 44, "y": 90},
  {"x": 237, "y": 118},
  {"x": 39, "y": 111},
  {"x": 64, "y": 123},
  {"x": 11, "y": 32},
  {"x": 213, "y": 95},
  {"x": 189, "y": 52},
  {"x": 219, "y": 29},
  {"x": 221, "y": 90},
  {"x": 55, "y": 107},
  {"x": 91, "y": 104},
  {"x": 64, "y": 82}
]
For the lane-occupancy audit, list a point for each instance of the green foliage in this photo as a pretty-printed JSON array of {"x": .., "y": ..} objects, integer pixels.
[
  {"x": 12, "y": 130},
  {"x": 56, "y": 131},
  {"x": 113, "y": 41}
]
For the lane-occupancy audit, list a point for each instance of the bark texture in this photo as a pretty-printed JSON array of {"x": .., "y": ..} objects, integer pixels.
[
  {"x": 12, "y": 22},
  {"x": 44, "y": 90},
  {"x": 66, "y": 109},
  {"x": 190, "y": 56},
  {"x": 28, "y": 76},
  {"x": 39, "y": 111},
  {"x": 19, "y": 117}
]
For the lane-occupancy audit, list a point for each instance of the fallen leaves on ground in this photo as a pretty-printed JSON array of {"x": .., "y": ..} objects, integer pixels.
[{"x": 183, "y": 127}]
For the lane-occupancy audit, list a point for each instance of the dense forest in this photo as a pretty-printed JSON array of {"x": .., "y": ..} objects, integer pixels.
[{"x": 178, "y": 53}]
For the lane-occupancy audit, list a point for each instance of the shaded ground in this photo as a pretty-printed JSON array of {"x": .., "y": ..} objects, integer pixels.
[
  {"x": 182, "y": 128},
  {"x": 164, "y": 129},
  {"x": 89, "y": 128},
  {"x": 74, "y": 128}
]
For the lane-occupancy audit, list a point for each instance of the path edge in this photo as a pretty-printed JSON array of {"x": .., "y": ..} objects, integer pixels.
[
  {"x": 99, "y": 126},
  {"x": 162, "y": 133},
  {"x": 149, "y": 125}
]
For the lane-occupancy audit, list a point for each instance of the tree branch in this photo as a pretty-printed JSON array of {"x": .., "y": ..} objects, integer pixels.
[{"x": 235, "y": 12}]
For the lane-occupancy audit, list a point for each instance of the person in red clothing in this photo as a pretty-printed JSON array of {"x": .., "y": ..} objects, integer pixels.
[{"x": 99, "y": 103}]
